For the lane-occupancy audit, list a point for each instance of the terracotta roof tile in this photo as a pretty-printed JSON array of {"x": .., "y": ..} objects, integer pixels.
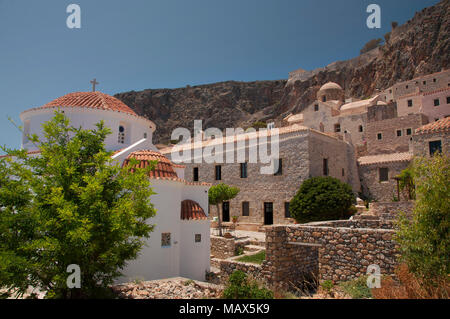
[
  {"x": 385, "y": 158},
  {"x": 95, "y": 100},
  {"x": 192, "y": 210},
  {"x": 163, "y": 169},
  {"x": 442, "y": 125}
]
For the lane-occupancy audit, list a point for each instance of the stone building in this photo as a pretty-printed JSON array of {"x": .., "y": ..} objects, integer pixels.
[
  {"x": 264, "y": 198},
  {"x": 431, "y": 138},
  {"x": 392, "y": 135},
  {"x": 377, "y": 174}
]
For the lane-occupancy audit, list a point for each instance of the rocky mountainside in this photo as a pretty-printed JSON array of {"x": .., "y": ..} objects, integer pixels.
[
  {"x": 420, "y": 46},
  {"x": 221, "y": 105}
]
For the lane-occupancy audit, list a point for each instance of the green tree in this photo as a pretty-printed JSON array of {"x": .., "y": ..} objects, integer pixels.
[
  {"x": 221, "y": 193},
  {"x": 425, "y": 240},
  {"x": 72, "y": 204},
  {"x": 322, "y": 198},
  {"x": 406, "y": 182}
]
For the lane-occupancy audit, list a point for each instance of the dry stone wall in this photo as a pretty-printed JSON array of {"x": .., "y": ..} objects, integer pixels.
[{"x": 335, "y": 253}]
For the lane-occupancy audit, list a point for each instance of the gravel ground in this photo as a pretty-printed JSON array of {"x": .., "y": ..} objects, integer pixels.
[{"x": 174, "y": 288}]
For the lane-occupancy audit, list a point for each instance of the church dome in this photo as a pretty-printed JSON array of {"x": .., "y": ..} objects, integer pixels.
[
  {"x": 330, "y": 92},
  {"x": 164, "y": 168},
  {"x": 95, "y": 100},
  {"x": 330, "y": 86}
]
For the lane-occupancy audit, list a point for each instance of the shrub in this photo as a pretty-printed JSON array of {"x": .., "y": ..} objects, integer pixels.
[
  {"x": 322, "y": 198},
  {"x": 408, "y": 286},
  {"x": 357, "y": 288},
  {"x": 424, "y": 241},
  {"x": 240, "y": 287},
  {"x": 259, "y": 124}
]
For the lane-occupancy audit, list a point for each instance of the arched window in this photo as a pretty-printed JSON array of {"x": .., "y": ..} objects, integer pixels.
[{"x": 121, "y": 137}]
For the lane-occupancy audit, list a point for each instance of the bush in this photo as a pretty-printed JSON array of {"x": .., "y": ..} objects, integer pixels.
[
  {"x": 259, "y": 124},
  {"x": 240, "y": 287},
  {"x": 322, "y": 198},
  {"x": 408, "y": 286},
  {"x": 357, "y": 289},
  {"x": 424, "y": 241}
]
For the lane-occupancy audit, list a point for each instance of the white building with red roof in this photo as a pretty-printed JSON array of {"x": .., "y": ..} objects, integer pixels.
[{"x": 180, "y": 242}]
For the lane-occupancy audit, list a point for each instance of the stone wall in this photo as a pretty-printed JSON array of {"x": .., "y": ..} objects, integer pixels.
[
  {"x": 390, "y": 142},
  {"x": 421, "y": 143},
  {"x": 338, "y": 253},
  {"x": 381, "y": 191},
  {"x": 390, "y": 210},
  {"x": 227, "y": 267},
  {"x": 302, "y": 152},
  {"x": 222, "y": 247}
]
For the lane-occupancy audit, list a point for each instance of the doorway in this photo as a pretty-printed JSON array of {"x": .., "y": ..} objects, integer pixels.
[
  {"x": 226, "y": 211},
  {"x": 268, "y": 213}
]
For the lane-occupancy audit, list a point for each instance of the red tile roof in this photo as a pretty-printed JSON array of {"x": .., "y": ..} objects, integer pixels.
[
  {"x": 385, "y": 158},
  {"x": 442, "y": 125},
  {"x": 95, "y": 100},
  {"x": 192, "y": 210},
  {"x": 163, "y": 169}
]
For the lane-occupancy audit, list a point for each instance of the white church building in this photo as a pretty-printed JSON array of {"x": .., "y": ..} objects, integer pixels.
[{"x": 180, "y": 242}]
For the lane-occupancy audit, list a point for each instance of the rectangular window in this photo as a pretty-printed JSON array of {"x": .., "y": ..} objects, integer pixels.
[
  {"x": 436, "y": 102},
  {"x": 287, "y": 212},
  {"x": 435, "y": 147},
  {"x": 245, "y": 209},
  {"x": 195, "y": 174},
  {"x": 165, "y": 239},
  {"x": 325, "y": 167},
  {"x": 316, "y": 107},
  {"x": 198, "y": 238},
  {"x": 218, "y": 172},
  {"x": 243, "y": 170},
  {"x": 399, "y": 133},
  {"x": 408, "y": 131},
  {"x": 343, "y": 172},
  {"x": 384, "y": 174},
  {"x": 337, "y": 128},
  {"x": 280, "y": 168},
  {"x": 379, "y": 136},
  {"x": 410, "y": 103},
  {"x": 448, "y": 99}
]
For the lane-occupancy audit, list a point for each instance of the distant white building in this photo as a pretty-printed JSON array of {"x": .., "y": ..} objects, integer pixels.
[{"x": 180, "y": 243}]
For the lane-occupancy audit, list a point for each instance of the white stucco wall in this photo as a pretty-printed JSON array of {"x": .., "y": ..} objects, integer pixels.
[{"x": 135, "y": 127}]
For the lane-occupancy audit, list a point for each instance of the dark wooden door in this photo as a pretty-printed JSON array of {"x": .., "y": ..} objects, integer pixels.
[
  {"x": 268, "y": 213},
  {"x": 226, "y": 211}
]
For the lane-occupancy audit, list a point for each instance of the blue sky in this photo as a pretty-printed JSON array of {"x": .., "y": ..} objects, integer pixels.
[{"x": 139, "y": 44}]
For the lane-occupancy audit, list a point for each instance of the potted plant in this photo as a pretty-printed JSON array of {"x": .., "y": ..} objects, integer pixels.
[{"x": 235, "y": 219}]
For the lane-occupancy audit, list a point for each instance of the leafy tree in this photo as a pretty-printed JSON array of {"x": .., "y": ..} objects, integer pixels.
[
  {"x": 372, "y": 44},
  {"x": 240, "y": 287},
  {"x": 221, "y": 193},
  {"x": 406, "y": 182},
  {"x": 72, "y": 204},
  {"x": 322, "y": 198},
  {"x": 425, "y": 240}
]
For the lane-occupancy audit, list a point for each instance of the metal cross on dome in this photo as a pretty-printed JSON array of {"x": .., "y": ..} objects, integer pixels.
[{"x": 94, "y": 83}]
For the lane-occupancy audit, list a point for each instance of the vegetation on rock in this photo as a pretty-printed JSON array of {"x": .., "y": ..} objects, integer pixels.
[{"x": 241, "y": 287}]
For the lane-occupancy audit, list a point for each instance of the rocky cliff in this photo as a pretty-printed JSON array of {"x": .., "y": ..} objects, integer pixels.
[
  {"x": 221, "y": 105},
  {"x": 420, "y": 46}
]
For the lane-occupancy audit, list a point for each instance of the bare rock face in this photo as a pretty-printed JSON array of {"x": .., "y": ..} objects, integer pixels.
[
  {"x": 221, "y": 105},
  {"x": 419, "y": 47}
]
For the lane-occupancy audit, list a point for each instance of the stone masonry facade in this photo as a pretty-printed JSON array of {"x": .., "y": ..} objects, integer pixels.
[
  {"x": 302, "y": 152},
  {"x": 336, "y": 251}
]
